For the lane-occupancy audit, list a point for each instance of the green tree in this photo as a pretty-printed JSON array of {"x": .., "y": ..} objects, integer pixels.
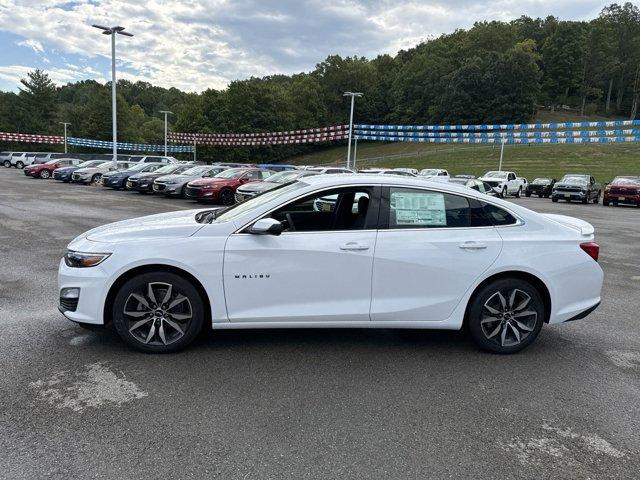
[{"x": 38, "y": 99}]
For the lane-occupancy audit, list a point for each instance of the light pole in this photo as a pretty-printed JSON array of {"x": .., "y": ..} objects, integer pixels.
[
  {"x": 113, "y": 31},
  {"x": 166, "y": 112},
  {"x": 65, "y": 134},
  {"x": 353, "y": 96},
  {"x": 501, "y": 153},
  {"x": 355, "y": 151}
]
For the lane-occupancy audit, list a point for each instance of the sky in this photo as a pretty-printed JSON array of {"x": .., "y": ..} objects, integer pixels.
[{"x": 193, "y": 45}]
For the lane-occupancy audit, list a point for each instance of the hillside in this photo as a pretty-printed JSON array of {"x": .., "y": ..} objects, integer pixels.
[{"x": 530, "y": 161}]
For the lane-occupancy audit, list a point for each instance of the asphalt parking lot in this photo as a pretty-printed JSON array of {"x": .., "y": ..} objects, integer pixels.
[{"x": 304, "y": 403}]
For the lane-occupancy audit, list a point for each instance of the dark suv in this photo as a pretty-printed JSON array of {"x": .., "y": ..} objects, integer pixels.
[
  {"x": 541, "y": 187},
  {"x": 577, "y": 186}
]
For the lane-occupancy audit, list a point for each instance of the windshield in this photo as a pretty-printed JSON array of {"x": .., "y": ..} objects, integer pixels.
[
  {"x": 283, "y": 177},
  {"x": 495, "y": 174},
  {"x": 196, "y": 170},
  {"x": 91, "y": 163},
  {"x": 429, "y": 171},
  {"x": 139, "y": 167},
  {"x": 542, "y": 181},
  {"x": 627, "y": 180},
  {"x": 231, "y": 173},
  {"x": 576, "y": 179},
  {"x": 168, "y": 169},
  {"x": 241, "y": 208},
  {"x": 51, "y": 162}
]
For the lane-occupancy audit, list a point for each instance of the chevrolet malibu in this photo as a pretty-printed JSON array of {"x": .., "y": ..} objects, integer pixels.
[{"x": 391, "y": 252}]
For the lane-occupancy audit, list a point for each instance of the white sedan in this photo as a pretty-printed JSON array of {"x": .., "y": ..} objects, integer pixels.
[{"x": 389, "y": 252}]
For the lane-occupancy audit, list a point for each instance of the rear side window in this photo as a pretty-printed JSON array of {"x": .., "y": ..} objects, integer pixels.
[
  {"x": 497, "y": 215},
  {"x": 413, "y": 208}
]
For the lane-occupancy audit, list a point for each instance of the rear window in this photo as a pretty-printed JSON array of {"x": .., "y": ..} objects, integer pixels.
[{"x": 497, "y": 215}]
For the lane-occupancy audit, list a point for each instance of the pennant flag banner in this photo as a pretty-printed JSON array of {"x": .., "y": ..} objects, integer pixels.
[
  {"x": 508, "y": 140},
  {"x": 310, "y": 135},
  {"x": 409, "y": 136},
  {"x": 516, "y": 126},
  {"x": 136, "y": 147},
  {"x": 30, "y": 138}
]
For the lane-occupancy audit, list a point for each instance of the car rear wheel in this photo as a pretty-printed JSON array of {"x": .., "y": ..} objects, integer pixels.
[
  {"x": 597, "y": 198},
  {"x": 506, "y": 315},
  {"x": 226, "y": 197},
  {"x": 504, "y": 193},
  {"x": 19, "y": 164},
  {"x": 605, "y": 203},
  {"x": 45, "y": 174},
  {"x": 554, "y": 199},
  {"x": 528, "y": 194},
  {"x": 158, "y": 312}
]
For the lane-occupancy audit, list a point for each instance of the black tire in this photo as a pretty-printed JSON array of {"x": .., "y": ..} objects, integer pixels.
[
  {"x": 44, "y": 174},
  {"x": 554, "y": 199},
  {"x": 19, "y": 164},
  {"x": 227, "y": 197},
  {"x": 175, "y": 339},
  {"x": 183, "y": 192},
  {"x": 585, "y": 200},
  {"x": 528, "y": 194},
  {"x": 605, "y": 203},
  {"x": 504, "y": 193},
  {"x": 7, "y": 164},
  {"x": 96, "y": 178},
  {"x": 597, "y": 198},
  {"x": 499, "y": 335},
  {"x": 519, "y": 192}
]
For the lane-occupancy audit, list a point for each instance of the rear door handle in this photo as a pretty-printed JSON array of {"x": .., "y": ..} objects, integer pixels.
[
  {"x": 354, "y": 246},
  {"x": 473, "y": 245}
]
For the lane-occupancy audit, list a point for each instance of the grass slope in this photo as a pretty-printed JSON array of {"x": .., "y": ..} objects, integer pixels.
[{"x": 530, "y": 161}]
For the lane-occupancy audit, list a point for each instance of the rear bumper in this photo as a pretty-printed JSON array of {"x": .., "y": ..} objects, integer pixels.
[{"x": 584, "y": 313}]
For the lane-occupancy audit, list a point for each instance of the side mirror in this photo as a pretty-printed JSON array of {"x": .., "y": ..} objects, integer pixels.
[{"x": 266, "y": 226}]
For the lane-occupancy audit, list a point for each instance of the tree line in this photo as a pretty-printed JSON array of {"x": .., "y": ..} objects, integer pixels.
[{"x": 494, "y": 72}]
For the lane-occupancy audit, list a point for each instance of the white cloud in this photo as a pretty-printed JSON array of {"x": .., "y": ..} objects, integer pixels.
[
  {"x": 194, "y": 45},
  {"x": 32, "y": 44}
]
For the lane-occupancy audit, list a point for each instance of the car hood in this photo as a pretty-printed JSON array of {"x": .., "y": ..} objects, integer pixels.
[
  {"x": 178, "y": 224},
  {"x": 492, "y": 179},
  {"x": 146, "y": 176},
  {"x": 174, "y": 177},
  {"x": 87, "y": 170},
  {"x": 210, "y": 181},
  {"x": 258, "y": 186}
]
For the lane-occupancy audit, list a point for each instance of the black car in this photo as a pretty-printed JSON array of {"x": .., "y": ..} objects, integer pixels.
[
  {"x": 143, "y": 182},
  {"x": 118, "y": 178},
  {"x": 541, "y": 187},
  {"x": 575, "y": 186},
  {"x": 252, "y": 189}
]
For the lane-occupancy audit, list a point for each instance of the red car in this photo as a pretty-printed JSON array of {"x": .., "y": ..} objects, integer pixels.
[
  {"x": 622, "y": 190},
  {"x": 222, "y": 187},
  {"x": 45, "y": 170}
]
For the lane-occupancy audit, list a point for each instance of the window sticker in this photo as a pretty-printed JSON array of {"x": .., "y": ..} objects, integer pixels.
[{"x": 422, "y": 209}]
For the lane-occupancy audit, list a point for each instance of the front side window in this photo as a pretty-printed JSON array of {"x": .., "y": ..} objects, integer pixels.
[{"x": 347, "y": 208}]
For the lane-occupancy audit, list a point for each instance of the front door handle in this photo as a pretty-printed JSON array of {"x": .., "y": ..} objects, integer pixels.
[
  {"x": 473, "y": 245},
  {"x": 354, "y": 246}
]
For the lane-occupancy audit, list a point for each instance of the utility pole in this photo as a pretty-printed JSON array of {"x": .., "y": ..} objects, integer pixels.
[
  {"x": 353, "y": 96},
  {"x": 501, "y": 153},
  {"x": 65, "y": 134},
  {"x": 166, "y": 112},
  {"x": 355, "y": 151},
  {"x": 113, "y": 31}
]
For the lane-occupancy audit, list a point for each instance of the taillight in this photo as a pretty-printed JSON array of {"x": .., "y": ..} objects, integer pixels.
[{"x": 592, "y": 249}]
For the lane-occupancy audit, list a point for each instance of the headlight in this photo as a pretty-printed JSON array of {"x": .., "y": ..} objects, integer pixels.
[{"x": 82, "y": 260}]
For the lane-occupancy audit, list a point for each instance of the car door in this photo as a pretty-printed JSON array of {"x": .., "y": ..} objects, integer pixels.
[
  {"x": 318, "y": 270},
  {"x": 431, "y": 247}
]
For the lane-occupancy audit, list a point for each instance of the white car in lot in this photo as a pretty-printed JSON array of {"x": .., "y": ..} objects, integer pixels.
[
  {"x": 435, "y": 174},
  {"x": 504, "y": 183},
  {"x": 411, "y": 254},
  {"x": 94, "y": 174}
]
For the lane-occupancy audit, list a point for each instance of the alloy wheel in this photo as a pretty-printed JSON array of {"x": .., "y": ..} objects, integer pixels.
[
  {"x": 226, "y": 197},
  {"x": 158, "y": 314},
  {"x": 506, "y": 320},
  {"x": 45, "y": 174}
]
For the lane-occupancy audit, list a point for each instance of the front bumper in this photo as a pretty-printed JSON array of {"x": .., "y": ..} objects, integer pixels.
[
  {"x": 75, "y": 178},
  {"x": 112, "y": 182},
  {"x": 31, "y": 173},
  {"x": 569, "y": 195},
  {"x": 633, "y": 199},
  {"x": 63, "y": 177},
  {"x": 201, "y": 194},
  {"x": 93, "y": 285}
]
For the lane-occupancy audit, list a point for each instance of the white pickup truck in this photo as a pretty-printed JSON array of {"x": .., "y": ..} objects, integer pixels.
[{"x": 504, "y": 183}]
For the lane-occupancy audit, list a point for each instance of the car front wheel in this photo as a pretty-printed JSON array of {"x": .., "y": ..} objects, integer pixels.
[
  {"x": 226, "y": 197},
  {"x": 506, "y": 315},
  {"x": 519, "y": 192},
  {"x": 45, "y": 174},
  {"x": 158, "y": 312}
]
